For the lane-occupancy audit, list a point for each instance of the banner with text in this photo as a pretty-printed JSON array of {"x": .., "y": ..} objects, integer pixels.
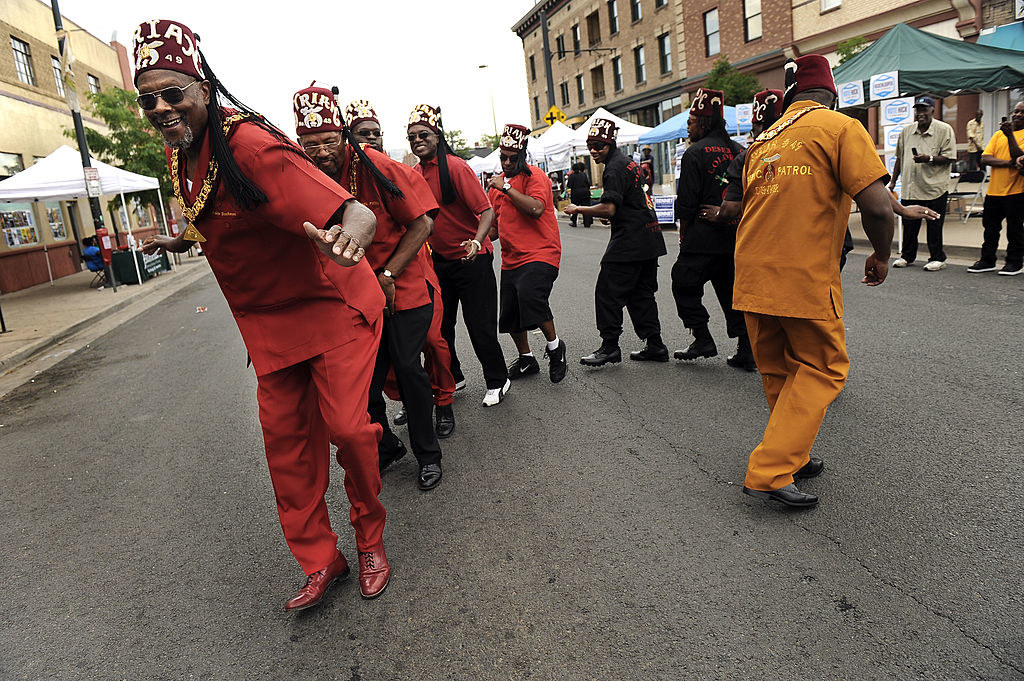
[{"x": 885, "y": 85}]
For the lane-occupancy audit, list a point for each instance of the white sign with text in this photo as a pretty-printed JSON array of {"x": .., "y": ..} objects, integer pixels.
[
  {"x": 896, "y": 111},
  {"x": 885, "y": 85},
  {"x": 851, "y": 94}
]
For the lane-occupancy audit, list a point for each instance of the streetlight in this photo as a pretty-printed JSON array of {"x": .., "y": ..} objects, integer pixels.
[{"x": 490, "y": 87}]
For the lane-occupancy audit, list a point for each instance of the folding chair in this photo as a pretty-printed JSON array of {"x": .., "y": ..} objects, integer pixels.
[
  {"x": 968, "y": 177},
  {"x": 100, "y": 280}
]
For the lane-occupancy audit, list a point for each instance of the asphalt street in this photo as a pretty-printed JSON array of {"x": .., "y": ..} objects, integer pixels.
[{"x": 593, "y": 529}]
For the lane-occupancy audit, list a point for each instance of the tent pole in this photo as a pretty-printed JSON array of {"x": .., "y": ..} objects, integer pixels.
[
  {"x": 46, "y": 254},
  {"x": 131, "y": 238},
  {"x": 163, "y": 216}
]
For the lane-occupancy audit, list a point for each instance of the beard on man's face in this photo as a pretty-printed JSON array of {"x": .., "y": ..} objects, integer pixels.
[{"x": 184, "y": 141}]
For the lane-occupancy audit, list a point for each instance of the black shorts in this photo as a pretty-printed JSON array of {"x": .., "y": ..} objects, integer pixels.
[{"x": 524, "y": 296}]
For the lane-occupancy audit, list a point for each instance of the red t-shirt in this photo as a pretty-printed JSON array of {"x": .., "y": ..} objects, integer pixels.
[
  {"x": 458, "y": 221},
  {"x": 289, "y": 300},
  {"x": 393, "y": 214},
  {"x": 523, "y": 238}
]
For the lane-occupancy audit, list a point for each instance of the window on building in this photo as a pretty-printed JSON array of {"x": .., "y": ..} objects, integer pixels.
[
  {"x": 658, "y": 4},
  {"x": 18, "y": 225},
  {"x": 751, "y": 19},
  {"x": 533, "y": 69},
  {"x": 579, "y": 90},
  {"x": 536, "y": 108},
  {"x": 711, "y": 46},
  {"x": 635, "y": 13},
  {"x": 564, "y": 90},
  {"x": 58, "y": 72},
  {"x": 597, "y": 81},
  {"x": 665, "y": 53},
  {"x": 593, "y": 29},
  {"x": 639, "y": 65},
  {"x": 830, "y": 4},
  {"x": 670, "y": 108},
  {"x": 10, "y": 164},
  {"x": 617, "y": 73},
  {"x": 613, "y": 17},
  {"x": 560, "y": 46},
  {"x": 94, "y": 84},
  {"x": 23, "y": 61},
  {"x": 576, "y": 46}
]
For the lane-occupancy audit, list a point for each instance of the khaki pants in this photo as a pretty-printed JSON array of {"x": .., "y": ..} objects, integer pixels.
[{"x": 803, "y": 365}]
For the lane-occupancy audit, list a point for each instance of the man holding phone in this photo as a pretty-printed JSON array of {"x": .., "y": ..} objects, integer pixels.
[{"x": 923, "y": 154}]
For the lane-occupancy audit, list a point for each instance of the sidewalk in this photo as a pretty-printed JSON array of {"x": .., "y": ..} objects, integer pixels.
[{"x": 43, "y": 315}]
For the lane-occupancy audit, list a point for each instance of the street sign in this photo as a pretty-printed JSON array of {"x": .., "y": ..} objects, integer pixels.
[
  {"x": 1018, "y": 10},
  {"x": 554, "y": 114},
  {"x": 92, "y": 182}
]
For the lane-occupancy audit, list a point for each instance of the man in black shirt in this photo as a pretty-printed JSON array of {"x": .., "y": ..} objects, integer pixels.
[
  {"x": 629, "y": 268},
  {"x": 705, "y": 247},
  {"x": 579, "y": 191}
]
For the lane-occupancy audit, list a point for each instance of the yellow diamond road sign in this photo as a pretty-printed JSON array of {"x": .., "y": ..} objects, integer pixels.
[{"x": 554, "y": 114}]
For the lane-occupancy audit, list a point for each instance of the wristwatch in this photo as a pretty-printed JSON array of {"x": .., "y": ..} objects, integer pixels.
[
  {"x": 387, "y": 273},
  {"x": 931, "y": 159},
  {"x": 506, "y": 187}
]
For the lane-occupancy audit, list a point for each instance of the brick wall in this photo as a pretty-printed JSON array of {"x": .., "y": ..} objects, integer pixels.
[
  {"x": 997, "y": 13},
  {"x": 776, "y": 33}
]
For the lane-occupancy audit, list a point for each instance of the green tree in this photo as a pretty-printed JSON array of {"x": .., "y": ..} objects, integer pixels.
[
  {"x": 490, "y": 141},
  {"x": 846, "y": 49},
  {"x": 131, "y": 144},
  {"x": 739, "y": 87},
  {"x": 457, "y": 141}
]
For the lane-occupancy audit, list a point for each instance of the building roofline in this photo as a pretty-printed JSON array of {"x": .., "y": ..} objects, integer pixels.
[{"x": 531, "y": 19}]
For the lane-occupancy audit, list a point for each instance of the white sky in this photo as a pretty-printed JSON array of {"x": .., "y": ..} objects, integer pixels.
[{"x": 395, "y": 53}]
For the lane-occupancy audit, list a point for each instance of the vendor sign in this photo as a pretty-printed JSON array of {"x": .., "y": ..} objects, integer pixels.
[
  {"x": 896, "y": 111},
  {"x": 665, "y": 208},
  {"x": 891, "y": 135},
  {"x": 851, "y": 94},
  {"x": 885, "y": 85},
  {"x": 744, "y": 114}
]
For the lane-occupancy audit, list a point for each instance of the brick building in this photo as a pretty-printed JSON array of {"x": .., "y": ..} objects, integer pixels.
[{"x": 35, "y": 115}]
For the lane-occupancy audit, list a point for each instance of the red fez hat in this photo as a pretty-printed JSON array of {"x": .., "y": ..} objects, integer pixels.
[
  {"x": 767, "y": 106},
  {"x": 708, "y": 103},
  {"x": 513, "y": 138},
  {"x": 169, "y": 45},
  {"x": 809, "y": 72},
  {"x": 316, "y": 111},
  {"x": 602, "y": 131},
  {"x": 358, "y": 111},
  {"x": 424, "y": 114}
]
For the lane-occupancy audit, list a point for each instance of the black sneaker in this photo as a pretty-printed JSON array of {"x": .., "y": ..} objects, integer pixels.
[
  {"x": 1011, "y": 270},
  {"x": 523, "y": 365},
  {"x": 982, "y": 266},
  {"x": 700, "y": 347},
  {"x": 557, "y": 366}
]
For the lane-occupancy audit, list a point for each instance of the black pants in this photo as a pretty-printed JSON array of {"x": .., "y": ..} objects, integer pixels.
[
  {"x": 631, "y": 285},
  {"x": 400, "y": 346},
  {"x": 912, "y": 227},
  {"x": 472, "y": 284},
  {"x": 581, "y": 200},
  {"x": 847, "y": 247},
  {"x": 997, "y": 209},
  {"x": 975, "y": 160},
  {"x": 689, "y": 275}
]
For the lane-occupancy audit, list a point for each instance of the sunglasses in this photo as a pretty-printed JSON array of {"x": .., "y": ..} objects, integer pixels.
[
  {"x": 171, "y": 95},
  {"x": 369, "y": 133},
  {"x": 419, "y": 136},
  {"x": 505, "y": 158},
  {"x": 596, "y": 146},
  {"x": 312, "y": 149}
]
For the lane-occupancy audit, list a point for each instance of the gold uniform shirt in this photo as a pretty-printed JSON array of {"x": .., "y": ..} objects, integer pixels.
[{"x": 797, "y": 191}]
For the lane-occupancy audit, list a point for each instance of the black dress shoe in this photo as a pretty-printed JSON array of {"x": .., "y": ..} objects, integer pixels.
[
  {"x": 557, "y": 366},
  {"x": 651, "y": 353},
  {"x": 401, "y": 418},
  {"x": 811, "y": 469},
  {"x": 700, "y": 347},
  {"x": 389, "y": 454},
  {"x": 602, "y": 356},
  {"x": 742, "y": 361},
  {"x": 523, "y": 365},
  {"x": 788, "y": 495},
  {"x": 444, "y": 420},
  {"x": 430, "y": 476}
]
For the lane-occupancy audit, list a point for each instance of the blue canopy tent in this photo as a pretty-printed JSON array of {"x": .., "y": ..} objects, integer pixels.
[{"x": 675, "y": 127}]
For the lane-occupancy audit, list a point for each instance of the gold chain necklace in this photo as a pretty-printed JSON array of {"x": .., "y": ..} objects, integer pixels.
[{"x": 193, "y": 211}]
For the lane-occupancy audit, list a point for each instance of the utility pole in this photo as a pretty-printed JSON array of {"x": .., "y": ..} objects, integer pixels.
[
  {"x": 547, "y": 57},
  {"x": 83, "y": 145}
]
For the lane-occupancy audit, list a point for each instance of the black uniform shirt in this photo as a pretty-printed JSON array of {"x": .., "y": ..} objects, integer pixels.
[
  {"x": 702, "y": 181},
  {"x": 578, "y": 183},
  {"x": 734, "y": 177},
  {"x": 636, "y": 234}
]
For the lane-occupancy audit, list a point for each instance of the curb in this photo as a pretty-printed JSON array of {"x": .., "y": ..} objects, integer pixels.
[{"x": 28, "y": 352}]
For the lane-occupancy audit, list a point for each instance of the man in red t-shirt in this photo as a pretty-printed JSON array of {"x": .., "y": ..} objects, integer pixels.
[
  {"x": 404, "y": 207},
  {"x": 311, "y": 328},
  {"x": 531, "y": 247},
  {"x": 362, "y": 120},
  {"x": 463, "y": 254}
]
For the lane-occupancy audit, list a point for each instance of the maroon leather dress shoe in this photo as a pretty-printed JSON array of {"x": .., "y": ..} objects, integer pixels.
[
  {"x": 374, "y": 572},
  {"x": 318, "y": 583}
]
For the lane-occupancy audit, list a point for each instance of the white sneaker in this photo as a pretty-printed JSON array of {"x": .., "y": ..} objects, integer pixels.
[
  {"x": 899, "y": 262},
  {"x": 934, "y": 265},
  {"x": 493, "y": 397}
]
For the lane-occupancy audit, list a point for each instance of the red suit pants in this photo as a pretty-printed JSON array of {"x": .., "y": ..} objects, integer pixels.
[{"x": 305, "y": 408}]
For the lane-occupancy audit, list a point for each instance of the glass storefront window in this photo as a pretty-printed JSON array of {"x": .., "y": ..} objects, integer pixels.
[
  {"x": 18, "y": 225},
  {"x": 55, "y": 216},
  {"x": 142, "y": 213}
]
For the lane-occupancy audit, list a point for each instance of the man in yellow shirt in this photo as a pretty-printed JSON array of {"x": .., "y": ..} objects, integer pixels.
[
  {"x": 798, "y": 178},
  {"x": 1005, "y": 197}
]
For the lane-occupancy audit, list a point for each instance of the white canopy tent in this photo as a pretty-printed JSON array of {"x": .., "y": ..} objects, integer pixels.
[
  {"x": 629, "y": 133},
  {"x": 555, "y": 142},
  {"x": 60, "y": 177}
]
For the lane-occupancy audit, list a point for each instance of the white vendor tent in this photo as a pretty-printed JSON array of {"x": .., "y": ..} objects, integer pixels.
[
  {"x": 60, "y": 177},
  {"x": 629, "y": 133},
  {"x": 555, "y": 145}
]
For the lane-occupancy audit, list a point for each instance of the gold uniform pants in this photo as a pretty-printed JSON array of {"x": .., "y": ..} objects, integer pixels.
[{"x": 803, "y": 365}]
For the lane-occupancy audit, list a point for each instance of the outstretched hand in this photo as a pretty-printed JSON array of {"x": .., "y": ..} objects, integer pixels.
[{"x": 335, "y": 244}]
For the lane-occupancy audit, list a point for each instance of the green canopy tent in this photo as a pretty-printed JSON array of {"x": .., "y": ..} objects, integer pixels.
[{"x": 934, "y": 65}]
